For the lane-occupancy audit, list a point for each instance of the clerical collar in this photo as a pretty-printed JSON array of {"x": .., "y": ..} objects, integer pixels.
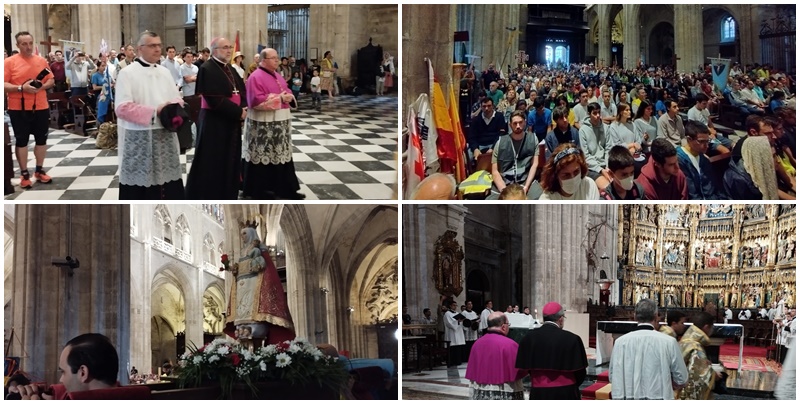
[
  {"x": 643, "y": 325},
  {"x": 218, "y": 61},
  {"x": 145, "y": 64},
  {"x": 268, "y": 72},
  {"x": 553, "y": 323}
]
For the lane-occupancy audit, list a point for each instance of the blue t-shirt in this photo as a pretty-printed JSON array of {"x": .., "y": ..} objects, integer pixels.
[
  {"x": 539, "y": 123},
  {"x": 98, "y": 79},
  {"x": 660, "y": 107}
]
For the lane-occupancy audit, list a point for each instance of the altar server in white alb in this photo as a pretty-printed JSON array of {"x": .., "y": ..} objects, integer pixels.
[
  {"x": 470, "y": 332},
  {"x": 150, "y": 166},
  {"x": 454, "y": 334}
]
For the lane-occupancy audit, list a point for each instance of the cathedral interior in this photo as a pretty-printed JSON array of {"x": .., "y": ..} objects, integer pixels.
[{"x": 149, "y": 277}]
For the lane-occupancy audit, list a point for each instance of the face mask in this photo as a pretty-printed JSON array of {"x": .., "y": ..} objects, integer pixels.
[
  {"x": 571, "y": 185},
  {"x": 626, "y": 183}
]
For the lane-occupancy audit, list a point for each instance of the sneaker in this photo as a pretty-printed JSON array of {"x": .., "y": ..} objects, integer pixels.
[
  {"x": 25, "y": 182},
  {"x": 42, "y": 177}
]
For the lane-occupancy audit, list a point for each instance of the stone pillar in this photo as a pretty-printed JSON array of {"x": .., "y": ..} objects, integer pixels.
[
  {"x": 223, "y": 20},
  {"x": 491, "y": 38},
  {"x": 49, "y": 306},
  {"x": 427, "y": 33},
  {"x": 688, "y": 20},
  {"x": 554, "y": 260},
  {"x": 31, "y": 18},
  {"x": 603, "y": 35},
  {"x": 630, "y": 50},
  {"x": 749, "y": 24},
  {"x": 342, "y": 30},
  {"x": 98, "y": 22},
  {"x": 422, "y": 226}
]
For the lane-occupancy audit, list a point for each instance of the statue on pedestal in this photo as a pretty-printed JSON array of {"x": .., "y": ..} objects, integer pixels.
[{"x": 257, "y": 308}]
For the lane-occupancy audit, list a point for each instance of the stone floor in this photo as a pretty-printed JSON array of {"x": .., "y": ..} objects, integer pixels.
[
  {"x": 443, "y": 383},
  {"x": 345, "y": 151}
]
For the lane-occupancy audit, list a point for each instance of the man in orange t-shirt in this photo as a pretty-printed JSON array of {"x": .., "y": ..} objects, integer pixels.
[{"x": 27, "y": 105}]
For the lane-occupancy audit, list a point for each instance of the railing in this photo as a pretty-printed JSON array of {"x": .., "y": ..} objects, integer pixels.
[
  {"x": 183, "y": 255},
  {"x": 211, "y": 268},
  {"x": 164, "y": 246}
]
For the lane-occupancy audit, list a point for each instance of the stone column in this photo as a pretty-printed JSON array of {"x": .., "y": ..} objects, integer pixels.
[
  {"x": 31, "y": 18},
  {"x": 603, "y": 35},
  {"x": 49, "y": 306},
  {"x": 630, "y": 50},
  {"x": 223, "y": 20},
  {"x": 688, "y": 22},
  {"x": 749, "y": 25},
  {"x": 491, "y": 38},
  {"x": 98, "y": 22},
  {"x": 554, "y": 261},
  {"x": 427, "y": 33},
  {"x": 342, "y": 30}
]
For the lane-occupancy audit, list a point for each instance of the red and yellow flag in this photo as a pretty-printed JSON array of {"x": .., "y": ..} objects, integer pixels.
[
  {"x": 460, "y": 139},
  {"x": 236, "y": 47}
]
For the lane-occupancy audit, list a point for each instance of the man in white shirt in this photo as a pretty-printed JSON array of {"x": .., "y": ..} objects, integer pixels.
[
  {"x": 80, "y": 70},
  {"x": 699, "y": 113},
  {"x": 427, "y": 319},
  {"x": 580, "y": 110},
  {"x": 485, "y": 317},
  {"x": 173, "y": 65},
  {"x": 646, "y": 364},
  {"x": 188, "y": 72},
  {"x": 608, "y": 110}
]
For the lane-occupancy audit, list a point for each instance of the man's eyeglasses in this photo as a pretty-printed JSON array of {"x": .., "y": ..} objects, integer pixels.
[
  {"x": 705, "y": 141},
  {"x": 225, "y": 47},
  {"x": 154, "y": 45}
]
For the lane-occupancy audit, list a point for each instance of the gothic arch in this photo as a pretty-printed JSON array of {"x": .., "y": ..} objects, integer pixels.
[
  {"x": 209, "y": 250},
  {"x": 162, "y": 224},
  {"x": 661, "y": 44},
  {"x": 183, "y": 234}
]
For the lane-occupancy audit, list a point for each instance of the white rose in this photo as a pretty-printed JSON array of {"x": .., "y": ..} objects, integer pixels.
[
  {"x": 213, "y": 358},
  {"x": 223, "y": 350},
  {"x": 263, "y": 366},
  {"x": 197, "y": 359}
]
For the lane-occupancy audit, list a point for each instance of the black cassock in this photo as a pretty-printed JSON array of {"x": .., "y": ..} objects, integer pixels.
[
  {"x": 216, "y": 168},
  {"x": 549, "y": 348}
]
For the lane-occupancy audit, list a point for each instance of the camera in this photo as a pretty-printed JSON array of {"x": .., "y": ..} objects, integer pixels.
[{"x": 37, "y": 82}]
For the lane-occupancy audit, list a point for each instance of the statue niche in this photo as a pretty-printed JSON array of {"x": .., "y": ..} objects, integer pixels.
[{"x": 448, "y": 256}]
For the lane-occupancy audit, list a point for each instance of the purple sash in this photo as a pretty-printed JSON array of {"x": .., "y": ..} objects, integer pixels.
[{"x": 235, "y": 98}]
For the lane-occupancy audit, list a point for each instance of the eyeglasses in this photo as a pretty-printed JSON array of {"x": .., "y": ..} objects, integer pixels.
[
  {"x": 705, "y": 141},
  {"x": 272, "y": 57},
  {"x": 153, "y": 45},
  {"x": 225, "y": 47}
]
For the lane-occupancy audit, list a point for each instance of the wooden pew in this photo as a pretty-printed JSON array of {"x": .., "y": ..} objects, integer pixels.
[
  {"x": 59, "y": 105},
  {"x": 84, "y": 116}
]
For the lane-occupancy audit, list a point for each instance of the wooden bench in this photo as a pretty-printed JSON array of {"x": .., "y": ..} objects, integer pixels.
[
  {"x": 84, "y": 115},
  {"x": 59, "y": 106}
]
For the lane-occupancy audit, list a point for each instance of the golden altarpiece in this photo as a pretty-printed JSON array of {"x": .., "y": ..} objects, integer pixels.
[{"x": 738, "y": 256}]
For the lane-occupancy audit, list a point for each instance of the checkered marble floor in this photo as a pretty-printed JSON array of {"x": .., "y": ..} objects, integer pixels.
[{"x": 346, "y": 151}]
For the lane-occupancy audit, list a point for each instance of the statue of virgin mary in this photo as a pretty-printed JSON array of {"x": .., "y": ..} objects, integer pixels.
[{"x": 257, "y": 308}]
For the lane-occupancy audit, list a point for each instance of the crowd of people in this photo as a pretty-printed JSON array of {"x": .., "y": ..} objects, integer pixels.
[
  {"x": 655, "y": 361},
  {"x": 243, "y": 133},
  {"x": 586, "y": 133}
]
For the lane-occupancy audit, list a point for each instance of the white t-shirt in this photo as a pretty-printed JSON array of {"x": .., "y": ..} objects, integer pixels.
[
  {"x": 586, "y": 192},
  {"x": 315, "y": 85},
  {"x": 695, "y": 114}
]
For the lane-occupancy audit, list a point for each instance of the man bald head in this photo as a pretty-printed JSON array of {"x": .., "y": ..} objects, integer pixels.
[
  {"x": 497, "y": 322},
  {"x": 437, "y": 186},
  {"x": 269, "y": 59}
]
